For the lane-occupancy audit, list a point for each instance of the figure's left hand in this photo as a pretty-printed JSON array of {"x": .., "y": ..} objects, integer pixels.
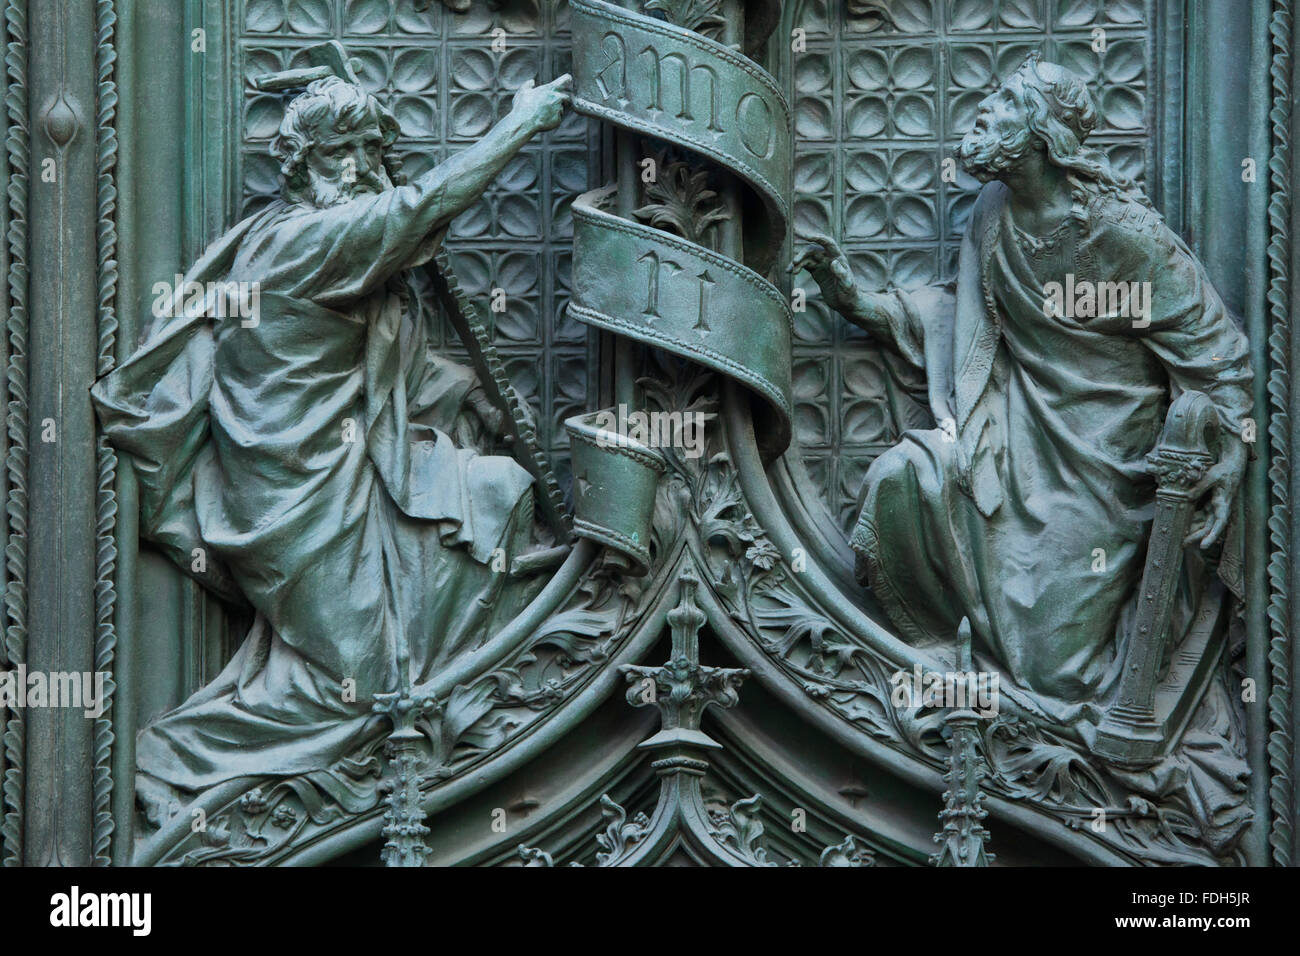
[
  {"x": 1222, "y": 481},
  {"x": 493, "y": 418}
]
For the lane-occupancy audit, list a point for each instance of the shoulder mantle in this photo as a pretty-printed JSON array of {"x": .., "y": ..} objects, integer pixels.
[{"x": 1131, "y": 215}]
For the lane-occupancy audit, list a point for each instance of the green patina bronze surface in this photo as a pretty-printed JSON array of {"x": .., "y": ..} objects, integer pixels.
[
  {"x": 308, "y": 446},
  {"x": 316, "y": 443}
]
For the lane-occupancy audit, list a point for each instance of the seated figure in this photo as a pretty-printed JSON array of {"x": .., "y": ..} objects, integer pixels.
[{"x": 1050, "y": 363}]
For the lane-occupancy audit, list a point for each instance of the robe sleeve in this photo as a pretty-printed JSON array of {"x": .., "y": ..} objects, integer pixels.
[
  {"x": 440, "y": 397},
  {"x": 337, "y": 255},
  {"x": 898, "y": 319},
  {"x": 1191, "y": 331},
  {"x": 1199, "y": 344}
]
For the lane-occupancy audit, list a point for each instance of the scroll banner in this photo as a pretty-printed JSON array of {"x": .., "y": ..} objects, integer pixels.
[
  {"x": 648, "y": 76},
  {"x": 655, "y": 78},
  {"x": 649, "y": 285},
  {"x": 614, "y": 482}
]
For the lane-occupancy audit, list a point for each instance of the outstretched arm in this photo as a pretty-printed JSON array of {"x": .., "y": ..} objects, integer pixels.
[
  {"x": 338, "y": 254},
  {"x": 830, "y": 268},
  {"x": 452, "y": 187},
  {"x": 892, "y": 319}
]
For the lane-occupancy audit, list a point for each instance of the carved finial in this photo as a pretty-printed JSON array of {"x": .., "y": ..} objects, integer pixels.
[
  {"x": 681, "y": 687},
  {"x": 850, "y": 853},
  {"x": 962, "y": 837},
  {"x": 404, "y": 828},
  {"x": 963, "y": 646}
]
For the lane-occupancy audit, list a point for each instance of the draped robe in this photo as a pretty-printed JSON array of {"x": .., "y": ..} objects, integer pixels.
[
  {"x": 302, "y": 462},
  {"x": 1000, "y": 517}
]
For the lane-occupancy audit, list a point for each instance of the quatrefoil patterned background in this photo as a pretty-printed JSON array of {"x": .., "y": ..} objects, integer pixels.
[
  {"x": 876, "y": 111},
  {"x": 438, "y": 72}
]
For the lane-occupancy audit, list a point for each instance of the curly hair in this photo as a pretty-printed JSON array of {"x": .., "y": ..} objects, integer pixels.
[
  {"x": 1061, "y": 113},
  {"x": 329, "y": 105}
]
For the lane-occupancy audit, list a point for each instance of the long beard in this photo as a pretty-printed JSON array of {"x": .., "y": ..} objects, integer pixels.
[
  {"x": 986, "y": 155},
  {"x": 326, "y": 195}
]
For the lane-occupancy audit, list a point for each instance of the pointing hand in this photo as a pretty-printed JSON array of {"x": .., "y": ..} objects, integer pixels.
[{"x": 542, "y": 107}]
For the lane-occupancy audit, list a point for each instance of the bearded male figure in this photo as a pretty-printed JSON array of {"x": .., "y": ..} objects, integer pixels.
[
  {"x": 302, "y": 460},
  {"x": 1044, "y": 416}
]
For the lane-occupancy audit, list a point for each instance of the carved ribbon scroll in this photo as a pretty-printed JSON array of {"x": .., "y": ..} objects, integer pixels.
[{"x": 654, "y": 78}]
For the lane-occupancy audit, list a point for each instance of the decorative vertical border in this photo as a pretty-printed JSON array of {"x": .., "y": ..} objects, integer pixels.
[
  {"x": 105, "y": 457},
  {"x": 1280, "y": 566},
  {"x": 18, "y": 159}
]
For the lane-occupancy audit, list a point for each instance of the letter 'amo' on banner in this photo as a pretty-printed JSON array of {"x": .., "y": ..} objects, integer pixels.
[
  {"x": 652, "y": 77},
  {"x": 660, "y": 286}
]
